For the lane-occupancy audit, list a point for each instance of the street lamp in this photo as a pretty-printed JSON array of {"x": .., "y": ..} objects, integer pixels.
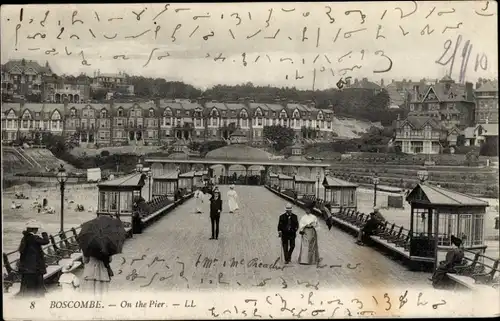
[
  {"x": 149, "y": 190},
  {"x": 62, "y": 177},
  {"x": 423, "y": 176},
  {"x": 375, "y": 181},
  {"x": 318, "y": 176}
]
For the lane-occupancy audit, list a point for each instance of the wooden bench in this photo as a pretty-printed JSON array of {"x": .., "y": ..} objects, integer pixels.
[{"x": 390, "y": 246}]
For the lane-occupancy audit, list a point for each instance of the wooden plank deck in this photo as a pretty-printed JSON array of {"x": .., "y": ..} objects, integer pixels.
[{"x": 180, "y": 242}]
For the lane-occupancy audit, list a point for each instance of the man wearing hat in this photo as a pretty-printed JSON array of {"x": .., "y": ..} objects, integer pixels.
[
  {"x": 287, "y": 230},
  {"x": 370, "y": 226},
  {"x": 32, "y": 260}
]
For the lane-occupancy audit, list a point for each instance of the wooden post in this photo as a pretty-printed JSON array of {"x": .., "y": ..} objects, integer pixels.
[{"x": 436, "y": 238}]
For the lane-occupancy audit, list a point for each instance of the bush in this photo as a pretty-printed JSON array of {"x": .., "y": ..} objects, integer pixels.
[{"x": 105, "y": 153}]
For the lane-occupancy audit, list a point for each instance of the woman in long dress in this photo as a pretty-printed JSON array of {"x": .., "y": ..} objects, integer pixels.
[
  {"x": 96, "y": 275},
  {"x": 308, "y": 226},
  {"x": 198, "y": 195},
  {"x": 232, "y": 199}
]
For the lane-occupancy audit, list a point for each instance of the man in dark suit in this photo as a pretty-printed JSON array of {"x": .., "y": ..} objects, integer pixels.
[{"x": 287, "y": 230}]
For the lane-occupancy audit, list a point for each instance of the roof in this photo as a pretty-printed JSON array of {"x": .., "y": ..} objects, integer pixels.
[
  {"x": 131, "y": 180},
  {"x": 489, "y": 129},
  {"x": 364, "y": 84},
  {"x": 200, "y": 173},
  {"x": 469, "y": 132},
  {"x": 283, "y": 176},
  {"x": 186, "y": 175},
  {"x": 238, "y": 152},
  {"x": 25, "y": 66},
  {"x": 419, "y": 122},
  {"x": 303, "y": 179},
  {"x": 273, "y": 175},
  {"x": 439, "y": 196},
  {"x": 489, "y": 86},
  {"x": 454, "y": 93},
  {"x": 169, "y": 176},
  {"x": 331, "y": 181}
]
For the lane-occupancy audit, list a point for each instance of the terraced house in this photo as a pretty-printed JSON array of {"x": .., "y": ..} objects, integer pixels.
[{"x": 161, "y": 122}]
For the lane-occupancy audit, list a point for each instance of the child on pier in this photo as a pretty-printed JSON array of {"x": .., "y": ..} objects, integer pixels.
[{"x": 68, "y": 281}]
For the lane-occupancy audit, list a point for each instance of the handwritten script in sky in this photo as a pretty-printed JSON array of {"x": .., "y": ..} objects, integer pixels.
[{"x": 307, "y": 45}]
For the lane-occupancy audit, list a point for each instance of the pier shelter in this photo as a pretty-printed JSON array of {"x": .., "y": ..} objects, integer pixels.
[
  {"x": 116, "y": 197},
  {"x": 285, "y": 182},
  {"x": 437, "y": 214},
  {"x": 166, "y": 184},
  {"x": 186, "y": 181},
  {"x": 273, "y": 180},
  {"x": 303, "y": 186},
  {"x": 339, "y": 193}
]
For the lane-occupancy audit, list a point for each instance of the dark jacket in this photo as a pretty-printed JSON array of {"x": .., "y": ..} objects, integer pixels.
[
  {"x": 32, "y": 258},
  {"x": 371, "y": 225},
  {"x": 283, "y": 222},
  {"x": 215, "y": 207}
]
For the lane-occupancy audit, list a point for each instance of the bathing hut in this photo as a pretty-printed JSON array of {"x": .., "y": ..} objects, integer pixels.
[
  {"x": 339, "y": 193},
  {"x": 303, "y": 186},
  {"x": 437, "y": 214},
  {"x": 285, "y": 182},
  {"x": 166, "y": 184},
  {"x": 116, "y": 197}
]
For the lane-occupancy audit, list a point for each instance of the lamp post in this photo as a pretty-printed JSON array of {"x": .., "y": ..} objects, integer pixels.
[
  {"x": 139, "y": 167},
  {"x": 375, "y": 181},
  {"x": 318, "y": 176},
  {"x": 62, "y": 177},
  {"x": 149, "y": 189}
]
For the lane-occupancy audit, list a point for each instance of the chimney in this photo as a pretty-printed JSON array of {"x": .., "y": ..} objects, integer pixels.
[
  {"x": 469, "y": 91},
  {"x": 416, "y": 92}
]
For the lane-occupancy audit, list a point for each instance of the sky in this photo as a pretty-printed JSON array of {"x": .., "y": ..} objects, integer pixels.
[{"x": 313, "y": 46}]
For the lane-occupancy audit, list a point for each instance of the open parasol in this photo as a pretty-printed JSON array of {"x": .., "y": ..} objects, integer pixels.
[{"x": 102, "y": 237}]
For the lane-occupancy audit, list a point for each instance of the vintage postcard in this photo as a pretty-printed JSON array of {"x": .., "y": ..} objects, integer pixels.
[{"x": 250, "y": 160}]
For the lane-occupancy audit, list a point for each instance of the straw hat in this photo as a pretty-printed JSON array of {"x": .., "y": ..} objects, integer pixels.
[
  {"x": 232, "y": 186},
  {"x": 71, "y": 266},
  {"x": 288, "y": 206},
  {"x": 33, "y": 224},
  {"x": 375, "y": 208}
]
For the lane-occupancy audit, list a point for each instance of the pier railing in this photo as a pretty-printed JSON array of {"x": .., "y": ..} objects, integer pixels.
[
  {"x": 477, "y": 271},
  {"x": 63, "y": 246}
]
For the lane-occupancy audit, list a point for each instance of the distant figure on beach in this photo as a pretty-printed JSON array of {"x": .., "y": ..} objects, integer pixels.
[
  {"x": 45, "y": 202},
  {"x": 31, "y": 263},
  {"x": 232, "y": 199}
]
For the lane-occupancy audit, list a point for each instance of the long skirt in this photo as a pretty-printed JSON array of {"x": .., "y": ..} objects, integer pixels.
[
  {"x": 96, "y": 287},
  {"x": 233, "y": 205},
  {"x": 309, "y": 251},
  {"x": 199, "y": 205},
  {"x": 32, "y": 285}
]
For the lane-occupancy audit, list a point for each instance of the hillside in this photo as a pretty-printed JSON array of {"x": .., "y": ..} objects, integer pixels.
[{"x": 19, "y": 160}]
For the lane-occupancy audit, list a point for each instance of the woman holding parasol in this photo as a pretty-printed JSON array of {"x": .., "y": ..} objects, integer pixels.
[{"x": 100, "y": 239}]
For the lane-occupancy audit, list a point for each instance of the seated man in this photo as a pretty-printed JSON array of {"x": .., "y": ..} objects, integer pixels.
[
  {"x": 453, "y": 258},
  {"x": 368, "y": 228}
]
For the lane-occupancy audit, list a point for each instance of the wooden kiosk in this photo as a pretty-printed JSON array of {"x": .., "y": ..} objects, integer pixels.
[
  {"x": 285, "y": 182},
  {"x": 116, "y": 197},
  {"x": 436, "y": 215},
  {"x": 339, "y": 193},
  {"x": 303, "y": 186},
  {"x": 166, "y": 185},
  {"x": 186, "y": 181}
]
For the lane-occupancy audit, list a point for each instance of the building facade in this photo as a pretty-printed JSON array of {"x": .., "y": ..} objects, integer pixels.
[
  {"x": 452, "y": 104},
  {"x": 112, "y": 83},
  {"x": 24, "y": 77},
  {"x": 422, "y": 135},
  {"x": 161, "y": 122},
  {"x": 487, "y": 103}
]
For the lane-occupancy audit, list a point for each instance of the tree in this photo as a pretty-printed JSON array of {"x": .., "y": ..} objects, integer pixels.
[
  {"x": 280, "y": 136},
  {"x": 460, "y": 140}
]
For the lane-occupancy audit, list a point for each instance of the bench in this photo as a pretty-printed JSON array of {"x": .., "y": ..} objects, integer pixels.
[{"x": 390, "y": 246}]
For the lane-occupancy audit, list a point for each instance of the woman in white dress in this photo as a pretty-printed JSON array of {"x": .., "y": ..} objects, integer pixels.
[
  {"x": 309, "y": 251},
  {"x": 198, "y": 196},
  {"x": 96, "y": 276},
  {"x": 232, "y": 199}
]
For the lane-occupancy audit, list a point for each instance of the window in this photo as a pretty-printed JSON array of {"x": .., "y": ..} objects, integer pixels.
[
  {"x": 103, "y": 202},
  {"x": 187, "y": 112},
  {"x": 113, "y": 201},
  {"x": 72, "y": 112},
  {"x": 104, "y": 113},
  {"x": 244, "y": 123},
  {"x": 198, "y": 122},
  {"x": 167, "y": 121},
  {"x": 125, "y": 202},
  {"x": 259, "y": 121},
  {"x": 151, "y": 113},
  {"x": 120, "y": 112},
  {"x": 132, "y": 113}
]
